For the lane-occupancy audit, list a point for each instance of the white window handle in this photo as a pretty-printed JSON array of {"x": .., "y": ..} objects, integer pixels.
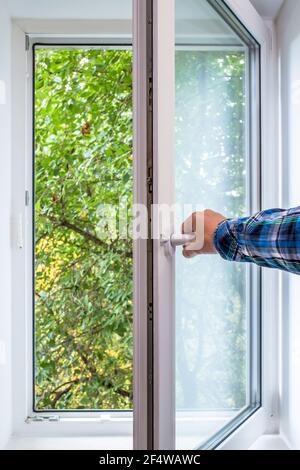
[
  {"x": 170, "y": 243},
  {"x": 182, "y": 239}
]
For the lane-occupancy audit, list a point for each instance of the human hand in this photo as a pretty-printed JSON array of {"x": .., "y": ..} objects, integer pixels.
[{"x": 204, "y": 225}]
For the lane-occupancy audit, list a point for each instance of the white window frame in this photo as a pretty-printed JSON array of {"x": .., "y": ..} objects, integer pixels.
[
  {"x": 26, "y": 422},
  {"x": 265, "y": 419}
]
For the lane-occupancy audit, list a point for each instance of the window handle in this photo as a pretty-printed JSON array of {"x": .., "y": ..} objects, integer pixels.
[
  {"x": 182, "y": 239},
  {"x": 170, "y": 243}
]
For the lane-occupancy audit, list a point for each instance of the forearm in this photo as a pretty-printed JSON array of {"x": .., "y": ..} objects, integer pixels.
[{"x": 270, "y": 238}]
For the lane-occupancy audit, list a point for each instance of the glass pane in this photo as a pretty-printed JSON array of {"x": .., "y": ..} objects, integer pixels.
[
  {"x": 83, "y": 280},
  {"x": 212, "y": 314}
]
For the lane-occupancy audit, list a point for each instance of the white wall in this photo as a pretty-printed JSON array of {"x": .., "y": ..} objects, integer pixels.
[
  {"x": 70, "y": 9},
  {"x": 288, "y": 24},
  {"x": 5, "y": 244},
  {"x": 268, "y": 9}
]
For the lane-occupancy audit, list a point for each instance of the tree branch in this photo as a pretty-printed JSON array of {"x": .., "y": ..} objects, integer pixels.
[{"x": 90, "y": 237}]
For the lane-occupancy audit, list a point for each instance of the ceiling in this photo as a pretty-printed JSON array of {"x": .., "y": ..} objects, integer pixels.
[{"x": 267, "y": 8}]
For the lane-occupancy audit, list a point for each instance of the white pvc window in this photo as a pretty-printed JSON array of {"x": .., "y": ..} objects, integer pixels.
[
  {"x": 104, "y": 33},
  {"x": 212, "y": 140},
  {"x": 110, "y": 40},
  {"x": 164, "y": 422}
]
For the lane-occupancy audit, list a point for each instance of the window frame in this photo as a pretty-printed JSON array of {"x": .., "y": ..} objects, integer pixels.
[
  {"x": 57, "y": 41},
  {"x": 266, "y": 418},
  {"x": 27, "y": 421},
  {"x": 264, "y": 412}
]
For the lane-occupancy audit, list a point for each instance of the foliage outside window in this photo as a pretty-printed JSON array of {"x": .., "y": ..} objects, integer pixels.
[{"x": 83, "y": 284}]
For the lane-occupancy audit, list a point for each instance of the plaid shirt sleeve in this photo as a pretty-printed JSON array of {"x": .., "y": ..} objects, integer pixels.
[{"x": 270, "y": 239}]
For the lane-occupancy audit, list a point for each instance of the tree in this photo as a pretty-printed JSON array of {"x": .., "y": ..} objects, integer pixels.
[{"x": 83, "y": 284}]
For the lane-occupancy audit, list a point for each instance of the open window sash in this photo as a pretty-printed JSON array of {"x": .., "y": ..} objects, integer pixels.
[{"x": 164, "y": 419}]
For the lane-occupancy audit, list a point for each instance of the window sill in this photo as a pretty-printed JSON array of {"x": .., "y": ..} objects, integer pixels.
[
  {"x": 70, "y": 443},
  {"x": 270, "y": 442},
  {"x": 266, "y": 442}
]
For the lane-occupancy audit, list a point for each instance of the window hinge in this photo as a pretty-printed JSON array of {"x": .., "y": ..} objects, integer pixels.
[
  {"x": 150, "y": 181},
  {"x": 150, "y": 93},
  {"x": 150, "y": 311},
  {"x": 150, "y": 185},
  {"x": 42, "y": 419},
  {"x": 26, "y": 42}
]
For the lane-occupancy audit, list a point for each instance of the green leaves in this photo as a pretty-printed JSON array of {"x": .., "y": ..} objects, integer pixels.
[{"x": 83, "y": 158}]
